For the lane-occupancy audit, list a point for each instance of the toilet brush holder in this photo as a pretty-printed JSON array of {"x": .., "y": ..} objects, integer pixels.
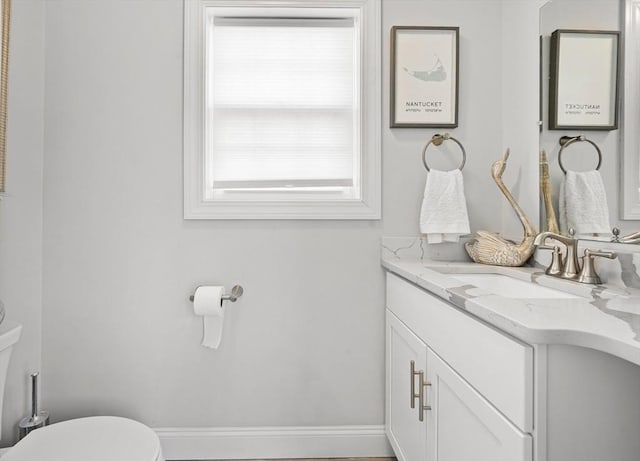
[{"x": 38, "y": 418}]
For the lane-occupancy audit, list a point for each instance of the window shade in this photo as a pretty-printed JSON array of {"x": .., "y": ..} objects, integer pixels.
[{"x": 282, "y": 103}]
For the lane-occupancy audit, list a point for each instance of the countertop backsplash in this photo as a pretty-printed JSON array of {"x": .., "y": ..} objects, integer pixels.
[
  {"x": 416, "y": 247},
  {"x": 624, "y": 271}
]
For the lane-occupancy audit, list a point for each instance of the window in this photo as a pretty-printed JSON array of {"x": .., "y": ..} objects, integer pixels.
[{"x": 282, "y": 109}]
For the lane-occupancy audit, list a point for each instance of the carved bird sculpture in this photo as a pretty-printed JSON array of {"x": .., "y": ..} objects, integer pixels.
[
  {"x": 545, "y": 190},
  {"x": 489, "y": 248}
]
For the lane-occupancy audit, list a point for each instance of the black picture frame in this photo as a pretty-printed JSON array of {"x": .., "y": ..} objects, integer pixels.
[
  {"x": 583, "y": 82},
  {"x": 424, "y": 77}
]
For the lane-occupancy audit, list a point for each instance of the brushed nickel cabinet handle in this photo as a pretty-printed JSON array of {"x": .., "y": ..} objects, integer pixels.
[
  {"x": 412, "y": 378},
  {"x": 421, "y": 397}
]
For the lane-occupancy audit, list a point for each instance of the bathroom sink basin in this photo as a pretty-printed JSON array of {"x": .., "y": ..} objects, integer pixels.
[{"x": 509, "y": 287}]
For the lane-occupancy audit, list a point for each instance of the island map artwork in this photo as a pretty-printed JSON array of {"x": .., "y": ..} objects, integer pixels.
[{"x": 425, "y": 84}]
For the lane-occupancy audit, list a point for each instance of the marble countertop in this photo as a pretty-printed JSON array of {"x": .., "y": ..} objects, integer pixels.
[{"x": 601, "y": 317}]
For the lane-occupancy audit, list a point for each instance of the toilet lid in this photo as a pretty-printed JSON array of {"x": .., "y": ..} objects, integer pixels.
[{"x": 99, "y": 438}]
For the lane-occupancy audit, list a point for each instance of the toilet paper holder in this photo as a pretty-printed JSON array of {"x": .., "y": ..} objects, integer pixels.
[{"x": 236, "y": 292}]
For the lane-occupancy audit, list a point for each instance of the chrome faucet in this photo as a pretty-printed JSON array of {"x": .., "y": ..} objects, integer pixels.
[{"x": 569, "y": 267}]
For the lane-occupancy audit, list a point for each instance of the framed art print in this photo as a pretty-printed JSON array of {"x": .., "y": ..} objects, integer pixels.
[
  {"x": 583, "y": 85},
  {"x": 424, "y": 76}
]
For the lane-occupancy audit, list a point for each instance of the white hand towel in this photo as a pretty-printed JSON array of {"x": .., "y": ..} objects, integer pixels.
[
  {"x": 443, "y": 216},
  {"x": 583, "y": 204}
]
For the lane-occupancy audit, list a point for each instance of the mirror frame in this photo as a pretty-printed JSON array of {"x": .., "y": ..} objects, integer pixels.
[
  {"x": 5, "y": 20},
  {"x": 630, "y": 158}
]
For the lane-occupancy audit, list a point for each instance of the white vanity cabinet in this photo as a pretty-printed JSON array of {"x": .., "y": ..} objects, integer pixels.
[
  {"x": 406, "y": 433},
  {"x": 477, "y": 397},
  {"x": 463, "y": 425}
]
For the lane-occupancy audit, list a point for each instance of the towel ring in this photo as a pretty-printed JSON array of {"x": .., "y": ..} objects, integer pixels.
[
  {"x": 566, "y": 141},
  {"x": 437, "y": 140}
]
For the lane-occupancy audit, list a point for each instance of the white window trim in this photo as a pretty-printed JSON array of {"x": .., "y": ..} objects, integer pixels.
[{"x": 368, "y": 207}]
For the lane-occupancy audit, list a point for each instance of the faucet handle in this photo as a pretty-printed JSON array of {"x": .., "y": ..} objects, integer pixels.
[
  {"x": 601, "y": 254},
  {"x": 588, "y": 273},
  {"x": 556, "y": 267},
  {"x": 616, "y": 235}
]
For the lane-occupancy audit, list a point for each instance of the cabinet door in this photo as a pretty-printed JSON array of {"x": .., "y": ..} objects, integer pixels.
[
  {"x": 463, "y": 426},
  {"x": 406, "y": 433}
]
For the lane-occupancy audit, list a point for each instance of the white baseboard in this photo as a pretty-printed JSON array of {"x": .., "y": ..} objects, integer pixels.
[{"x": 274, "y": 442}]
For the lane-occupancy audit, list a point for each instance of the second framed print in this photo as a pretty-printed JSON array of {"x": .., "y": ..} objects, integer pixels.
[
  {"x": 583, "y": 85},
  {"x": 424, "y": 77}
]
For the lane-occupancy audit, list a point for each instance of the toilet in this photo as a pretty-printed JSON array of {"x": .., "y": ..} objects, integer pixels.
[{"x": 96, "y": 438}]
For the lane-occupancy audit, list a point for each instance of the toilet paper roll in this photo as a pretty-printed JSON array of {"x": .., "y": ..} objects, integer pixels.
[{"x": 207, "y": 302}]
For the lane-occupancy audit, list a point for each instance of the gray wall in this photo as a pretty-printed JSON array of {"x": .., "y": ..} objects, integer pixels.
[
  {"x": 120, "y": 336},
  {"x": 21, "y": 207},
  {"x": 304, "y": 346}
]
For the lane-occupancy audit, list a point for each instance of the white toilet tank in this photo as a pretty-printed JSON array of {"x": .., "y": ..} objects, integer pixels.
[{"x": 9, "y": 335}]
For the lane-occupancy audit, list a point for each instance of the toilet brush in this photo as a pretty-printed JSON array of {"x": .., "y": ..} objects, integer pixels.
[{"x": 38, "y": 418}]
